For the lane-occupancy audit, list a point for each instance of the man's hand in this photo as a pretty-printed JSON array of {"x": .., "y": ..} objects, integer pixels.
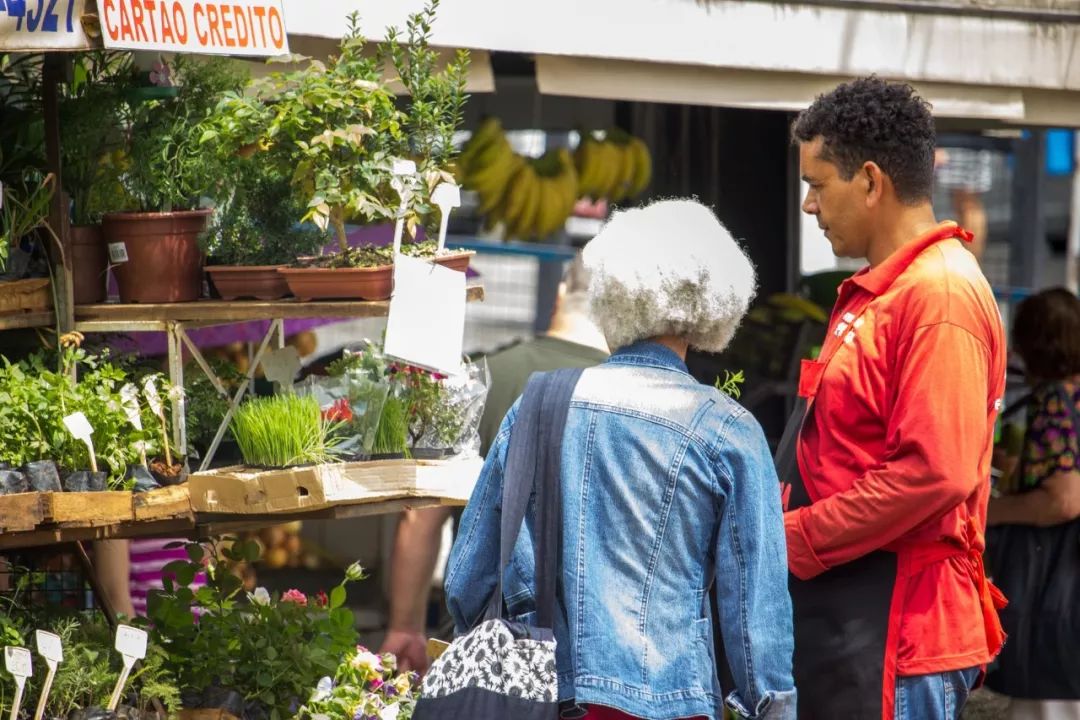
[{"x": 409, "y": 647}]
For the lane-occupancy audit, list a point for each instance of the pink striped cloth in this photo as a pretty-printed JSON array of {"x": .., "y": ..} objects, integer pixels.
[{"x": 148, "y": 557}]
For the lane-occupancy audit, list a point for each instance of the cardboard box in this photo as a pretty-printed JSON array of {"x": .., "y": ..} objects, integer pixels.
[{"x": 245, "y": 491}]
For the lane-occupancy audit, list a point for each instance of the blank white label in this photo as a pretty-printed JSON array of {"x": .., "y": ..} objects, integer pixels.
[
  {"x": 49, "y": 646},
  {"x": 78, "y": 426},
  {"x": 131, "y": 641},
  {"x": 17, "y": 661},
  {"x": 118, "y": 253}
]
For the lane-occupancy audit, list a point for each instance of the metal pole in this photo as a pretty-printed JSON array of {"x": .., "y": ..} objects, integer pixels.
[{"x": 1072, "y": 251}]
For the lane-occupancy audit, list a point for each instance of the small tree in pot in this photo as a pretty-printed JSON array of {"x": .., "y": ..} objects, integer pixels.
[{"x": 167, "y": 172}]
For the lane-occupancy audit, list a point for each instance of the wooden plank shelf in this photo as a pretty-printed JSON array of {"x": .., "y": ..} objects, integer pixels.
[{"x": 22, "y": 321}]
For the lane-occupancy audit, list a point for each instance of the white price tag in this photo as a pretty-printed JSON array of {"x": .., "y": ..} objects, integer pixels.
[
  {"x": 129, "y": 399},
  {"x": 49, "y": 646},
  {"x": 150, "y": 392},
  {"x": 17, "y": 661},
  {"x": 447, "y": 196},
  {"x": 131, "y": 642},
  {"x": 118, "y": 253},
  {"x": 426, "y": 326},
  {"x": 79, "y": 426}
]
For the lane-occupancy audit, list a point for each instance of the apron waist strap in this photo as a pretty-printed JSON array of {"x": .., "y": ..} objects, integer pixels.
[{"x": 991, "y": 598}]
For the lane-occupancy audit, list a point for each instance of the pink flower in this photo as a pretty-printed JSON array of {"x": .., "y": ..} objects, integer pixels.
[
  {"x": 295, "y": 596},
  {"x": 321, "y": 599},
  {"x": 375, "y": 684}
]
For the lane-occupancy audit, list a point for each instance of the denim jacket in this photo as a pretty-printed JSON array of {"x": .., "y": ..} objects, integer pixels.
[{"x": 667, "y": 486}]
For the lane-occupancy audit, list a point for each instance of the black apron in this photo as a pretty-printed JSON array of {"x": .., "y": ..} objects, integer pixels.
[{"x": 847, "y": 619}]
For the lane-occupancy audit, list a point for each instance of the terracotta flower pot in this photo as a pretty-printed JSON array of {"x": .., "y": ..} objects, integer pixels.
[
  {"x": 262, "y": 282},
  {"x": 164, "y": 262},
  {"x": 89, "y": 264},
  {"x": 457, "y": 261},
  {"x": 340, "y": 283}
]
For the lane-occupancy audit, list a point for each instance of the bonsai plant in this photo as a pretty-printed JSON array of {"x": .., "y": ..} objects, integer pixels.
[
  {"x": 254, "y": 654},
  {"x": 336, "y": 129},
  {"x": 91, "y": 136},
  {"x": 255, "y": 231},
  {"x": 166, "y": 172}
]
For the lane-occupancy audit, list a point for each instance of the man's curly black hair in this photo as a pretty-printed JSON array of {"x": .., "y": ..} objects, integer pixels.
[{"x": 870, "y": 119}]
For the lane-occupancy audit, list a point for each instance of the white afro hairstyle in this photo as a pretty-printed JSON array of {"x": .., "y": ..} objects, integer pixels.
[{"x": 669, "y": 268}]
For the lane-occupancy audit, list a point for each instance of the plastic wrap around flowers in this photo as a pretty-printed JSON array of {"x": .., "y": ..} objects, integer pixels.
[{"x": 366, "y": 687}]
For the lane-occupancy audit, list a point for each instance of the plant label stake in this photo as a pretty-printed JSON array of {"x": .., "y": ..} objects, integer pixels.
[
  {"x": 131, "y": 644},
  {"x": 50, "y": 647},
  {"x": 447, "y": 196},
  {"x": 80, "y": 429},
  {"x": 404, "y": 170},
  {"x": 281, "y": 366},
  {"x": 18, "y": 662},
  {"x": 153, "y": 399},
  {"x": 129, "y": 399}
]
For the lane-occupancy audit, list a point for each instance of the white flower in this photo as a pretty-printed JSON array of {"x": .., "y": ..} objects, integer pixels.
[
  {"x": 390, "y": 712},
  {"x": 323, "y": 690},
  {"x": 369, "y": 661},
  {"x": 260, "y": 596}
]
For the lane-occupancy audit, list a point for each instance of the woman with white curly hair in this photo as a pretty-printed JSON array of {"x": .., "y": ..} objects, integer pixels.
[{"x": 667, "y": 487}]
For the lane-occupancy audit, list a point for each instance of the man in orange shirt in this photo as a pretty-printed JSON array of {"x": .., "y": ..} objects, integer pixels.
[{"x": 886, "y": 462}]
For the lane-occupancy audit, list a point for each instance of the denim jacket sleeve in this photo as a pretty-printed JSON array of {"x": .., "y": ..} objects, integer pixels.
[
  {"x": 471, "y": 572},
  {"x": 752, "y": 575}
]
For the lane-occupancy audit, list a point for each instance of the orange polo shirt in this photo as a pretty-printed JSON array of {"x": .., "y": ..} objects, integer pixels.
[{"x": 897, "y": 450}]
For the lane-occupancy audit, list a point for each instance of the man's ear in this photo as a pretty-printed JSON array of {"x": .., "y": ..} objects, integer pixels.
[{"x": 874, "y": 181}]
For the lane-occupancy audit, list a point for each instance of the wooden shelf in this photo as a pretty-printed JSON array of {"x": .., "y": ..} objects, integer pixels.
[
  {"x": 41, "y": 519},
  {"x": 22, "y": 321},
  {"x": 109, "y": 316}
]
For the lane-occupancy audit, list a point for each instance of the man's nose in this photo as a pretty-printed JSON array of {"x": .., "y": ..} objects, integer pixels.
[{"x": 810, "y": 205}]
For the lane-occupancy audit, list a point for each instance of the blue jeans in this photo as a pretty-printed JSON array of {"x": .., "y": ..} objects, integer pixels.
[{"x": 934, "y": 697}]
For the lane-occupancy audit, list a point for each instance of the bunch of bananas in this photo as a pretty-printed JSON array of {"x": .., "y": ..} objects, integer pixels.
[
  {"x": 617, "y": 168},
  {"x": 531, "y": 198}
]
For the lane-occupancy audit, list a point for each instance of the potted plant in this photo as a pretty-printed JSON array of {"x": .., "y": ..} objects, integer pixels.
[
  {"x": 24, "y": 207},
  {"x": 255, "y": 232},
  {"x": 284, "y": 431},
  {"x": 336, "y": 129},
  {"x": 90, "y": 140},
  {"x": 167, "y": 172},
  {"x": 255, "y": 654},
  {"x": 364, "y": 685}
]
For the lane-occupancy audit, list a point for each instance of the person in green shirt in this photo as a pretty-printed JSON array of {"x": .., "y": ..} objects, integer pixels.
[{"x": 572, "y": 340}]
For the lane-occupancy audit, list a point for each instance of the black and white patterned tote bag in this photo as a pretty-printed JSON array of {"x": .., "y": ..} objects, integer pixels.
[{"x": 502, "y": 670}]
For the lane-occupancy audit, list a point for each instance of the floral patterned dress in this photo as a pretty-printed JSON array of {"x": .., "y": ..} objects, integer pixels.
[{"x": 1051, "y": 444}]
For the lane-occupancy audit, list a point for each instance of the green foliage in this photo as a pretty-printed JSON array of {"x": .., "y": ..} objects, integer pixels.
[
  {"x": 168, "y": 169},
  {"x": 363, "y": 686},
  {"x": 206, "y": 408},
  {"x": 284, "y": 430},
  {"x": 25, "y": 207},
  {"x": 270, "y": 649},
  {"x": 35, "y": 396},
  {"x": 731, "y": 385},
  {"x": 335, "y": 128},
  {"x": 392, "y": 435},
  {"x": 257, "y": 224},
  {"x": 91, "y": 134}
]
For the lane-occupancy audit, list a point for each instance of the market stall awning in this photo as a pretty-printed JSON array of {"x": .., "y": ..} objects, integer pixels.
[{"x": 1005, "y": 65}]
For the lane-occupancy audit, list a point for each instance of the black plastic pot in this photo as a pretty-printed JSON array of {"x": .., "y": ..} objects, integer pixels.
[
  {"x": 387, "y": 456},
  {"x": 430, "y": 453},
  {"x": 43, "y": 475},
  {"x": 167, "y": 480},
  {"x": 91, "y": 713},
  {"x": 84, "y": 481},
  {"x": 13, "y": 482},
  {"x": 217, "y": 698},
  {"x": 144, "y": 479}
]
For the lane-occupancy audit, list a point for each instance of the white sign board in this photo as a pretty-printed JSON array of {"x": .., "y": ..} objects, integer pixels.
[
  {"x": 17, "y": 661},
  {"x": 426, "y": 326},
  {"x": 228, "y": 27},
  {"x": 49, "y": 646},
  {"x": 131, "y": 642},
  {"x": 42, "y": 25}
]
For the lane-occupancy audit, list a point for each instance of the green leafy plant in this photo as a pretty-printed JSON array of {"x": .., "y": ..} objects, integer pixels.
[
  {"x": 731, "y": 385},
  {"x": 91, "y": 132},
  {"x": 392, "y": 434},
  {"x": 271, "y": 649},
  {"x": 257, "y": 223},
  {"x": 336, "y": 128},
  {"x": 284, "y": 430},
  {"x": 25, "y": 208},
  {"x": 166, "y": 167},
  {"x": 36, "y": 395},
  {"x": 206, "y": 408}
]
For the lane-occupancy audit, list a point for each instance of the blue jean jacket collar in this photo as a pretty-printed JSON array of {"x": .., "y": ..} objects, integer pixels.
[{"x": 650, "y": 354}]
